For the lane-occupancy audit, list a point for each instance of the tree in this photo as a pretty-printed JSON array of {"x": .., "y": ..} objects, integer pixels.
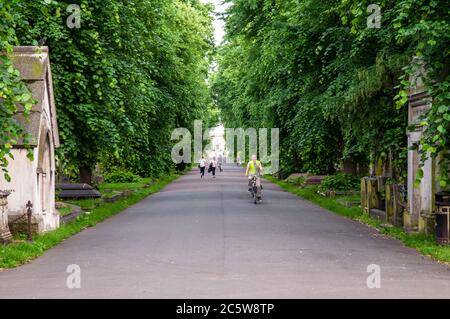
[
  {"x": 330, "y": 82},
  {"x": 124, "y": 80}
]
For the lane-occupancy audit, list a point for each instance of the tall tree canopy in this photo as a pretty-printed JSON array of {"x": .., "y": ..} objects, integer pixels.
[
  {"x": 335, "y": 87},
  {"x": 131, "y": 73}
]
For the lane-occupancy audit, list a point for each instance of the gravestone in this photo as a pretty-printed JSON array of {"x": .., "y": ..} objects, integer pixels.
[{"x": 5, "y": 234}]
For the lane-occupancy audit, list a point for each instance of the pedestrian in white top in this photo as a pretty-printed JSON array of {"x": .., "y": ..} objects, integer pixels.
[
  {"x": 201, "y": 165},
  {"x": 212, "y": 167}
]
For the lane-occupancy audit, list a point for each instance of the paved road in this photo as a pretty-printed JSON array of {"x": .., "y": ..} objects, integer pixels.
[{"x": 206, "y": 239}]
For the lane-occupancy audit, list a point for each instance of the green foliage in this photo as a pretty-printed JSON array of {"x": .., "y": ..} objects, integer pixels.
[
  {"x": 14, "y": 95},
  {"x": 121, "y": 176},
  {"x": 420, "y": 29},
  {"x": 330, "y": 83},
  {"x": 125, "y": 79},
  {"x": 340, "y": 182}
]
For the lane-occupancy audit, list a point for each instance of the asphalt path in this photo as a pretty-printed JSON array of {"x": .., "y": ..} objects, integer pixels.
[{"x": 204, "y": 238}]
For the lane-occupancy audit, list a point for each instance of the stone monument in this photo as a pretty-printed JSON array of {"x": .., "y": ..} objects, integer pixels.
[{"x": 34, "y": 180}]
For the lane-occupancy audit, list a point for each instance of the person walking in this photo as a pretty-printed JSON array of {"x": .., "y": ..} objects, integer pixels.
[
  {"x": 202, "y": 165},
  {"x": 212, "y": 167},
  {"x": 220, "y": 162}
]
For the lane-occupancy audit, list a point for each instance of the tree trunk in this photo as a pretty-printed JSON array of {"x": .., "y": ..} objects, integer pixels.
[
  {"x": 349, "y": 167},
  {"x": 85, "y": 174}
]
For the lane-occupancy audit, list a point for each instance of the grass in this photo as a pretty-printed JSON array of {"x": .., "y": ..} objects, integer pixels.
[
  {"x": 109, "y": 190},
  {"x": 425, "y": 244},
  {"x": 20, "y": 253},
  {"x": 63, "y": 211},
  {"x": 123, "y": 186},
  {"x": 351, "y": 198}
]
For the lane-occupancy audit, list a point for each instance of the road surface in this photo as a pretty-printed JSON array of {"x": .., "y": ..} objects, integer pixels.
[{"x": 206, "y": 239}]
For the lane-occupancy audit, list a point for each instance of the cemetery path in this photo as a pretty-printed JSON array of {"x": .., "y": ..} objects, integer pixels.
[{"x": 206, "y": 239}]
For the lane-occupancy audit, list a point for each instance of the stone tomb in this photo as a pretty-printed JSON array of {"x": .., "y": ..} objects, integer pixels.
[
  {"x": 420, "y": 211},
  {"x": 34, "y": 180}
]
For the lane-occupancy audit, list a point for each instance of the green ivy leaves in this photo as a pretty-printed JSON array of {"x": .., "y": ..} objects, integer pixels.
[
  {"x": 328, "y": 86},
  {"x": 12, "y": 90},
  {"x": 125, "y": 79}
]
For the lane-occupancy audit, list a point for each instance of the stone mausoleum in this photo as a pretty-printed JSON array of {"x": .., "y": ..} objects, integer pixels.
[
  {"x": 34, "y": 180},
  {"x": 412, "y": 205},
  {"x": 420, "y": 213}
]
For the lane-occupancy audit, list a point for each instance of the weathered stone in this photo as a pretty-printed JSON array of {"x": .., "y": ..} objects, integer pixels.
[
  {"x": 19, "y": 224},
  {"x": 59, "y": 205},
  {"x": 420, "y": 197},
  {"x": 308, "y": 178},
  {"x": 34, "y": 180},
  {"x": 113, "y": 198},
  {"x": 297, "y": 179},
  {"x": 372, "y": 199},
  {"x": 297, "y": 175},
  {"x": 5, "y": 234},
  {"x": 427, "y": 223},
  {"x": 99, "y": 179},
  {"x": 364, "y": 195},
  {"x": 378, "y": 214},
  {"x": 394, "y": 210},
  {"x": 81, "y": 190},
  {"x": 314, "y": 179},
  {"x": 118, "y": 196},
  {"x": 74, "y": 213},
  {"x": 31, "y": 62},
  {"x": 348, "y": 203}
]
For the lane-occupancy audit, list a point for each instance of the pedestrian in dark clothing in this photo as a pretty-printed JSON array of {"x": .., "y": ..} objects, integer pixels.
[{"x": 212, "y": 167}]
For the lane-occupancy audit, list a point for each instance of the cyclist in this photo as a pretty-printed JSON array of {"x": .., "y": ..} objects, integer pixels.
[{"x": 254, "y": 170}]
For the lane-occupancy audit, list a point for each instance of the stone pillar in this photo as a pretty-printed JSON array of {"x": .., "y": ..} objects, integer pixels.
[
  {"x": 411, "y": 216},
  {"x": 394, "y": 209},
  {"x": 368, "y": 194},
  {"x": 419, "y": 215},
  {"x": 364, "y": 195},
  {"x": 5, "y": 234},
  {"x": 427, "y": 217}
]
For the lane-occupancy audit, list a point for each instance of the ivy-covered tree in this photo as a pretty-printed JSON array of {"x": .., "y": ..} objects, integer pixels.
[
  {"x": 331, "y": 82},
  {"x": 130, "y": 74},
  {"x": 13, "y": 92}
]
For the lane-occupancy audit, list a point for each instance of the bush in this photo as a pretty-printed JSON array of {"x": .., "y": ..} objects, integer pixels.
[
  {"x": 340, "y": 182},
  {"x": 121, "y": 176}
]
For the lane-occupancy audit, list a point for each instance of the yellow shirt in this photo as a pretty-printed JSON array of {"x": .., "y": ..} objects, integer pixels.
[{"x": 252, "y": 168}]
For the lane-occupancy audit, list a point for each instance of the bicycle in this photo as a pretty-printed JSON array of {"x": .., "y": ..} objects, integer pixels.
[{"x": 255, "y": 192}]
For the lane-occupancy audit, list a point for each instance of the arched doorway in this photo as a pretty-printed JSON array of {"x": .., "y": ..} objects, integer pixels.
[
  {"x": 46, "y": 176},
  {"x": 45, "y": 172}
]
